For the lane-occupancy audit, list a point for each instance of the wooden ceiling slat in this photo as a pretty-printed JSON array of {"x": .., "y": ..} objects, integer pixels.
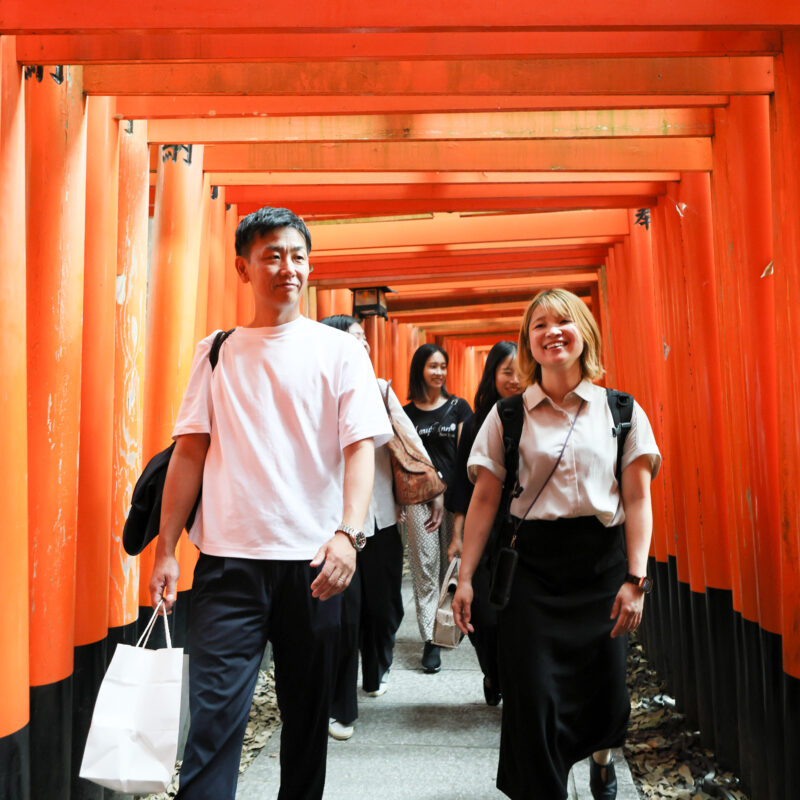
[{"x": 531, "y": 76}]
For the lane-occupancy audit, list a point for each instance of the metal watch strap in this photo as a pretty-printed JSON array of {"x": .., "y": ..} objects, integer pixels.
[{"x": 357, "y": 538}]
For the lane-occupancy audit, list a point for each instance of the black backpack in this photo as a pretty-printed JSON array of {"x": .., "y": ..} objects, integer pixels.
[
  {"x": 144, "y": 516},
  {"x": 510, "y": 410}
]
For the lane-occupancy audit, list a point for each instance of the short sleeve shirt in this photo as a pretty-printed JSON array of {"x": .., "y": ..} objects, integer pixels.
[
  {"x": 280, "y": 406},
  {"x": 584, "y": 483},
  {"x": 438, "y": 430}
]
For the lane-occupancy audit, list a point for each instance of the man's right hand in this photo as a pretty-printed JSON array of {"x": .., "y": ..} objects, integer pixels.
[{"x": 164, "y": 581}]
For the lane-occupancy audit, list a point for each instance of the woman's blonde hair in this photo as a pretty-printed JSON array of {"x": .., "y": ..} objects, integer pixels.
[{"x": 561, "y": 303}]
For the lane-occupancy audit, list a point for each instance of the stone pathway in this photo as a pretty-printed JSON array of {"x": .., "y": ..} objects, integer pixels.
[{"x": 430, "y": 737}]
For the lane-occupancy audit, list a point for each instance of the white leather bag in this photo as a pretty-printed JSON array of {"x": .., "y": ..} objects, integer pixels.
[
  {"x": 133, "y": 738},
  {"x": 445, "y": 631}
]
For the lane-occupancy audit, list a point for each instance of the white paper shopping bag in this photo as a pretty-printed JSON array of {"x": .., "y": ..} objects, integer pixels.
[{"x": 133, "y": 738}]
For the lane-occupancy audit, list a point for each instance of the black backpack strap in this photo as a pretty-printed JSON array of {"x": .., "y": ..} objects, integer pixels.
[
  {"x": 511, "y": 413},
  {"x": 621, "y": 406},
  {"x": 213, "y": 353}
]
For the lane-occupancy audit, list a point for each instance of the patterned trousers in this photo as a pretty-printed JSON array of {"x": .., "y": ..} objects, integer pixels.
[{"x": 427, "y": 555}]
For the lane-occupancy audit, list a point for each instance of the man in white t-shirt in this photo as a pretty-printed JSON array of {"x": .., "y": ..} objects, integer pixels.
[{"x": 281, "y": 436}]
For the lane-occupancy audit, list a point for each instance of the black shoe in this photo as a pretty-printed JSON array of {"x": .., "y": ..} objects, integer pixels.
[
  {"x": 602, "y": 780},
  {"x": 491, "y": 695},
  {"x": 431, "y": 659}
]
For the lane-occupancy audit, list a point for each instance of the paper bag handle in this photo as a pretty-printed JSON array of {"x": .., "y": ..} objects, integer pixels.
[{"x": 151, "y": 624}]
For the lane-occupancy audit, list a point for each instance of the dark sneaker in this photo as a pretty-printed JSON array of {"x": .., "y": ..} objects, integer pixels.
[{"x": 431, "y": 658}]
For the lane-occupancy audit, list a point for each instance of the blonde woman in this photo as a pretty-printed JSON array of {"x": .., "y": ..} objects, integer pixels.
[{"x": 579, "y": 583}]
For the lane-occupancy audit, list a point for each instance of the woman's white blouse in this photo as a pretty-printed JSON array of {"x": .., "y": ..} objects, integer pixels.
[{"x": 584, "y": 482}]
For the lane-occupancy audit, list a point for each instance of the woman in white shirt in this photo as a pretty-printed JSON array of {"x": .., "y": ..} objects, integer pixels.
[
  {"x": 372, "y": 605},
  {"x": 578, "y": 586}
]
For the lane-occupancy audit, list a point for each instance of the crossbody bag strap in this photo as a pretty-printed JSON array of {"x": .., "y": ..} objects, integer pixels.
[
  {"x": 547, "y": 480},
  {"x": 621, "y": 407}
]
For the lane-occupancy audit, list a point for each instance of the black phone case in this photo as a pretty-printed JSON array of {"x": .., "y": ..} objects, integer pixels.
[{"x": 505, "y": 566}]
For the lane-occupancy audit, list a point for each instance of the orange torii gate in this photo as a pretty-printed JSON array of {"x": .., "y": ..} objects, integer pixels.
[{"x": 526, "y": 145}]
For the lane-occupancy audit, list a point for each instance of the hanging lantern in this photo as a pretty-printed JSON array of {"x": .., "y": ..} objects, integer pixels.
[{"x": 370, "y": 302}]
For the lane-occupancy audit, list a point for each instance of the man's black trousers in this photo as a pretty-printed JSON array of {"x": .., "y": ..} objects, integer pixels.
[{"x": 237, "y": 605}]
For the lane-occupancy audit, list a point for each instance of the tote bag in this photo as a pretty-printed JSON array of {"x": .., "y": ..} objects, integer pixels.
[{"x": 133, "y": 738}]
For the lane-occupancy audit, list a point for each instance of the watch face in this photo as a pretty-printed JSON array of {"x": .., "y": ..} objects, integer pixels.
[
  {"x": 360, "y": 540},
  {"x": 646, "y": 584}
]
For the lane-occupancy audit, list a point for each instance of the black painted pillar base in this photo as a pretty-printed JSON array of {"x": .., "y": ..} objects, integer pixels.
[
  {"x": 15, "y": 766},
  {"x": 51, "y": 740}
]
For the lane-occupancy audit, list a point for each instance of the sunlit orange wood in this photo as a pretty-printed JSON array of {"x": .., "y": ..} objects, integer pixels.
[
  {"x": 131, "y": 290},
  {"x": 232, "y": 281},
  {"x": 14, "y": 609},
  {"x": 56, "y": 157},
  {"x": 215, "y": 307},
  {"x": 785, "y": 122},
  {"x": 172, "y": 299},
  {"x": 97, "y": 391},
  {"x": 552, "y": 181},
  {"x": 634, "y": 155},
  {"x": 243, "y": 45},
  {"x": 18, "y": 16},
  {"x": 449, "y": 229},
  {"x": 201, "y": 306},
  {"x": 531, "y": 76},
  {"x": 163, "y": 107},
  {"x": 312, "y": 210},
  {"x": 440, "y": 189},
  {"x": 505, "y": 125}
]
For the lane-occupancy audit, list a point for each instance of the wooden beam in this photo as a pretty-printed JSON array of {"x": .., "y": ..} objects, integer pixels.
[
  {"x": 155, "y": 46},
  {"x": 401, "y": 127},
  {"x": 483, "y": 312},
  {"x": 20, "y": 16},
  {"x": 287, "y": 194},
  {"x": 319, "y": 180},
  {"x": 451, "y": 229},
  {"x": 262, "y": 105},
  {"x": 413, "y": 251},
  {"x": 438, "y": 284},
  {"x": 349, "y": 209},
  {"x": 636, "y": 155},
  {"x": 542, "y": 76}
]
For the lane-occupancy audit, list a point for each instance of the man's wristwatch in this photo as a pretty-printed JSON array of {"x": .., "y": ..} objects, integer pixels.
[
  {"x": 645, "y": 584},
  {"x": 357, "y": 538}
]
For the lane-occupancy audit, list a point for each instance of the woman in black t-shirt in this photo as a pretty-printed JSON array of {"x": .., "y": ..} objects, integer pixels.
[{"x": 438, "y": 418}]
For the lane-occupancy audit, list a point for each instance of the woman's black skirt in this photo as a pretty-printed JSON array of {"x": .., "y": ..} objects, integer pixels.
[{"x": 561, "y": 674}]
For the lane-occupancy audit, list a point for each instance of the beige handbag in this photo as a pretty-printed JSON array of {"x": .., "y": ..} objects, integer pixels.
[{"x": 445, "y": 631}]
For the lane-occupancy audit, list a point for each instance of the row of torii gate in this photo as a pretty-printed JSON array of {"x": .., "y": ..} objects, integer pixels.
[{"x": 643, "y": 155}]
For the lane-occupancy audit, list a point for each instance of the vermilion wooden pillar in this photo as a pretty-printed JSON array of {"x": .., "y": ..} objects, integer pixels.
[
  {"x": 745, "y": 247},
  {"x": 324, "y": 303},
  {"x": 172, "y": 298},
  {"x": 96, "y": 429},
  {"x": 384, "y": 343},
  {"x": 400, "y": 366},
  {"x": 201, "y": 307},
  {"x": 370, "y": 325},
  {"x": 56, "y": 182},
  {"x": 131, "y": 291},
  {"x": 232, "y": 281},
  {"x": 215, "y": 307},
  {"x": 14, "y": 610},
  {"x": 785, "y": 118}
]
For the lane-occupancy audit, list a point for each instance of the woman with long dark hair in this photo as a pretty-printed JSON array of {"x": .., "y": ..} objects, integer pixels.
[
  {"x": 499, "y": 379},
  {"x": 372, "y": 605},
  {"x": 581, "y": 575},
  {"x": 438, "y": 418}
]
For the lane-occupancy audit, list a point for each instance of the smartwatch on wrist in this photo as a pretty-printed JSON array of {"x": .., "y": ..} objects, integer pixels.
[
  {"x": 644, "y": 584},
  {"x": 357, "y": 538}
]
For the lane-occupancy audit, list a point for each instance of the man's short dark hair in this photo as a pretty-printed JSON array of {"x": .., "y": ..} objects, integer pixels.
[{"x": 264, "y": 221}]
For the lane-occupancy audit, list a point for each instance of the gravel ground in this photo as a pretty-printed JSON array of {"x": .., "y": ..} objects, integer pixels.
[{"x": 665, "y": 755}]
